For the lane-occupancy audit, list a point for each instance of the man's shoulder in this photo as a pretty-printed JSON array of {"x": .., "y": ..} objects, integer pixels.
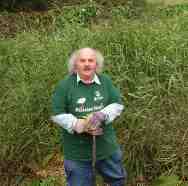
[
  {"x": 104, "y": 78},
  {"x": 67, "y": 81}
]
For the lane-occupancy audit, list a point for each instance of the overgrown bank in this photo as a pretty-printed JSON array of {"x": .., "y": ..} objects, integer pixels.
[{"x": 147, "y": 60}]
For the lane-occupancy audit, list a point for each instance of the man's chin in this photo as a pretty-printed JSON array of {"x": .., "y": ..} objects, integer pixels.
[{"x": 88, "y": 75}]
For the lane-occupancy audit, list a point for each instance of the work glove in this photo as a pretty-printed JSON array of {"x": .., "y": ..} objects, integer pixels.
[
  {"x": 96, "y": 119},
  {"x": 80, "y": 126}
]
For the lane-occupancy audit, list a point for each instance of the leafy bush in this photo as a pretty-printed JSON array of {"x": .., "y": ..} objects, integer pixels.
[
  {"x": 174, "y": 10},
  {"x": 168, "y": 181},
  {"x": 132, "y": 9},
  {"x": 51, "y": 181},
  {"x": 81, "y": 14}
]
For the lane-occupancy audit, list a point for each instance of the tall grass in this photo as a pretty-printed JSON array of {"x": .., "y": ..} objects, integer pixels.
[{"x": 146, "y": 60}]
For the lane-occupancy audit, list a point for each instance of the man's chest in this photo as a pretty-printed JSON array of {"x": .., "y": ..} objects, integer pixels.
[{"x": 87, "y": 99}]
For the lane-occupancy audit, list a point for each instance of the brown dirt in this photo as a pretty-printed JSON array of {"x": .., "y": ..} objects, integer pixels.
[
  {"x": 13, "y": 23},
  {"x": 54, "y": 167},
  {"x": 10, "y": 170}
]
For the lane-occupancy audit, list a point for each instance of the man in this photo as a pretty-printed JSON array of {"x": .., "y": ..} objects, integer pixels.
[{"x": 85, "y": 104}]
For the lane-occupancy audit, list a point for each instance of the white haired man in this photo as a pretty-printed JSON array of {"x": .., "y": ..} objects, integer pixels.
[{"x": 85, "y": 103}]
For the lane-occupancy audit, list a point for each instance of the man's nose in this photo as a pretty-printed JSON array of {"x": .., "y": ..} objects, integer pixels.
[{"x": 87, "y": 62}]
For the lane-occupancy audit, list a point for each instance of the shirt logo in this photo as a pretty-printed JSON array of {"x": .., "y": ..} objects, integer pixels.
[
  {"x": 98, "y": 96},
  {"x": 89, "y": 109},
  {"x": 81, "y": 100}
]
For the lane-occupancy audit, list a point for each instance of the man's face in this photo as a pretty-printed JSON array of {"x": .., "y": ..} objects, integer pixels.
[{"x": 86, "y": 64}]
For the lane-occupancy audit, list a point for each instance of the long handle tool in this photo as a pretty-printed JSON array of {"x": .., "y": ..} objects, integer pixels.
[{"x": 94, "y": 160}]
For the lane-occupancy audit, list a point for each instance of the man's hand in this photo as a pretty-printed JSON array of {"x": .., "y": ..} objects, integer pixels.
[
  {"x": 96, "y": 119},
  {"x": 95, "y": 131},
  {"x": 80, "y": 126},
  {"x": 90, "y": 124}
]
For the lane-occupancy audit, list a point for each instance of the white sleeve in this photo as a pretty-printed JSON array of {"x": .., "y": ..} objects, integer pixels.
[
  {"x": 67, "y": 121},
  {"x": 112, "y": 111}
]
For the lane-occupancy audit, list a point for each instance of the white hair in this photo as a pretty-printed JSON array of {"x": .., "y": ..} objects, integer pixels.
[{"x": 75, "y": 54}]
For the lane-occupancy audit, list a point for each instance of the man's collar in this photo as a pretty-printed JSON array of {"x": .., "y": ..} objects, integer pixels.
[{"x": 94, "y": 80}]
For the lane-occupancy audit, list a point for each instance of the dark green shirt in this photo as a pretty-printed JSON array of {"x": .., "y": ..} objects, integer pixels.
[{"x": 81, "y": 99}]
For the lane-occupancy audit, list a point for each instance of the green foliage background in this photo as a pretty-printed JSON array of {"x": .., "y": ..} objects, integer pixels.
[{"x": 146, "y": 58}]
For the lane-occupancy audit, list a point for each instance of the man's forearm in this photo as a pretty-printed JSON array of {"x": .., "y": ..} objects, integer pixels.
[
  {"x": 112, "y": 111},
  {"x": 67, "y": 121}
]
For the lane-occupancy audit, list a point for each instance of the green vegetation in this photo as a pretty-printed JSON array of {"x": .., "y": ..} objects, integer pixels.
[
  {"x": 146, "y": 56},
  {"x": 45, "y": 182},
  {"x": 168, "y": 181}
]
